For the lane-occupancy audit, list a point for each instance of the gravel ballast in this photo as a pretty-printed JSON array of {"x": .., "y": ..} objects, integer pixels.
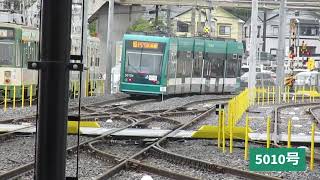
[
  {"x": 258, "y": 118},
  {"x": 20, "y": 150},
  {"x": 183, "y": 119},
  {"x": 89, "y": 165},
  {"x": 171, "y": 103},
  {"x": 115, "y": 122},
  {"x": 186, "y": 170},
  {"x": 301, "y": 120},
  {"x": 133, "y": 175},
  {"x": 120, "y": 148},
  {"x": 16, "y": 152},
  {"x": 19, "y": 112},
  {"x": 212, "y": 119},
  {"x": 210, "y": 153}
]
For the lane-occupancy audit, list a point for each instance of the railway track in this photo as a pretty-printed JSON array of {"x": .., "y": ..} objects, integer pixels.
[
  {"x": 162, "y": 162},
  {"x": 298, "y": 115},
  {"x": 145, "y": 151},
  {"x": 305, "y": 114}
]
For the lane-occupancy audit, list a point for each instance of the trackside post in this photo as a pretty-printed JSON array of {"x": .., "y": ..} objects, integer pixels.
[{"x": 312, "y": 147}]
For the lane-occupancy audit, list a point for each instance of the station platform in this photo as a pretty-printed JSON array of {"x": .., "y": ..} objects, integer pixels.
[{"x": 153, "y": 133}]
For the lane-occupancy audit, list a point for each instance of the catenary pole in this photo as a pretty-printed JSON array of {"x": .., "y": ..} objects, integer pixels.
[
  {"x": 193, "y": 21},
  {"x": 264, "y": 36},
  {"x": 169, "y": 19},
  {"x": 199, "y": 26},
  {"x": 253, "y": 47},
  {"x": 107, "y": 83},
  {"x": 281, "y": 46},
  {"x": 53, "y": 89},
  {"x": 84, "y": 47}
]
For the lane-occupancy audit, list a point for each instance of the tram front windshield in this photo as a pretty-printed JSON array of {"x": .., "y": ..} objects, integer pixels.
[
  {"x": 144, "y": 62},
  {"x": 7, "y": 46},
  {"x": 144, "y": 58},
  {"x": 6, "y": 53}
]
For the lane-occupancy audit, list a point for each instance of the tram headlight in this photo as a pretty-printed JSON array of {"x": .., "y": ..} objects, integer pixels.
[{"x": 7, "y": 77}]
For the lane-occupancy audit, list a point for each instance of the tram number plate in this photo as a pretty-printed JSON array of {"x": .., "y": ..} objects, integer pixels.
[
  {"x": 153, "y": 77},
  {"x": 277, "y": 159},
  {"x": 163, "y": 89}
]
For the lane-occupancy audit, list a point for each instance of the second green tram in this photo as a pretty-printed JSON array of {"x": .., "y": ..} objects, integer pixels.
[{"x": 154, "y": 65}]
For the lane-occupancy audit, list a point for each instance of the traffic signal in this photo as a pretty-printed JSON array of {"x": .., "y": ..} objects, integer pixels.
[
  {"x": 206, "y": 29},
  {"x": 311, "y": 64},
  {"x": 289, "y": 81}
]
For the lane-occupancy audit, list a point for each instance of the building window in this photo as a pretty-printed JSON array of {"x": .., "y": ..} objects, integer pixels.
[
  {"x": 245, "y": 32},
  {"x": 275, "y": 30},
  {"x": 273, "y": 52},
  {"x": 97, "y": 62},
  {"x": 310, "y": 30},
  {"x": 225, "y": 30},
  {"x": 182, "y": 27}
]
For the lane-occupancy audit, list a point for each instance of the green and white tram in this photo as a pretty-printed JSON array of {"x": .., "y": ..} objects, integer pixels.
[
  {"x": 93, "y": 69},
  {"x": 18, "y": 45},
  {"x": 154, "y": 65}
]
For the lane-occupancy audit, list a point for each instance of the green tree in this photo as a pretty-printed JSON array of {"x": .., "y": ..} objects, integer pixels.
[
  {"x": 142, "y": 25},
  {"x": 93, "y": 28}
]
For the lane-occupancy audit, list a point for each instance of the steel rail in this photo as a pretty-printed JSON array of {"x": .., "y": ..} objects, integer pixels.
[
  {"x": 313, "y": 114},
  {"x": 27, "y": 167},
  {"x": 112, "y": 171},
  {"x": 277, "y": 116},
  {"x": 213, "y": 167},
  {"x": 135, "y": 165}
]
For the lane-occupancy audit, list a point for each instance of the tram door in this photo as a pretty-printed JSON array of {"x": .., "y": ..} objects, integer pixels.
[
  {"x": 317, "y": 83},
  {"x": 196, "y": 76},
  {"x": 219, "y": 69},
  {"x": 171, "y": 71},
  {"x": 206, "y": 75},
  {"x": 186, "y": 81}
]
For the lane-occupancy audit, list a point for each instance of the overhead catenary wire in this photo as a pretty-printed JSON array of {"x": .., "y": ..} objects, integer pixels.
[{"x": 80, "y": 86}]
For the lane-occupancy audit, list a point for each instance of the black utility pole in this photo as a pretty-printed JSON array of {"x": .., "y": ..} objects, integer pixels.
[
  {"x": 264, "y": 36},
  {"x": 157, "y": 16},
  {"x": 53, "y": 89}
]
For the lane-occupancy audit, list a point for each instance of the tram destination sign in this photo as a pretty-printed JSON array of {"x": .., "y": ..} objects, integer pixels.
[
  {"x": 146, "y": 45},
  {"x": 277, "y": 159},
  {"x": 6, "y": 33}
]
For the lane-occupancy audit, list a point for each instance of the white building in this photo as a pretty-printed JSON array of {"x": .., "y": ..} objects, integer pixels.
[{"x": 305, "y": 22}]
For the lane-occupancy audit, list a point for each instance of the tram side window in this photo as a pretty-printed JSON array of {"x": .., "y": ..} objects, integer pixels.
[
  {"x": 18, "y": 55},
  {"x": 91, "y": 61},
  {"x": 216, "y": 65},
  {"x": 197, "y": 64},
  {"x": 239, "y": 61},
  {"x": 188, "y": 66},
  {"x": 232, "y": 68},
  {"x": 32, "y": 51},
  {"x": 207, "y": 66},
  {"x": 97, "y": 62},
  {"x": 24, "y": 54},
  {"x": 180, "y": 65},
  {"x": 6, "y": 54},
  {"x": 221, "y": 63},
  {"x": 172, "y": 62}
]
